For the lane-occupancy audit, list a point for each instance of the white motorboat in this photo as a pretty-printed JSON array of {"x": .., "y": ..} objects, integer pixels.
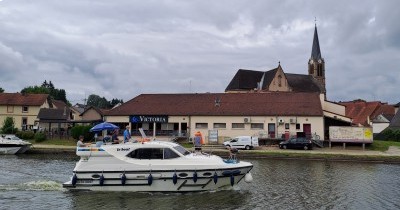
[
  {"x": 23, "y": 145},
  {"x": 154, "y": 166},
  {"x": 9, "y": 147}
]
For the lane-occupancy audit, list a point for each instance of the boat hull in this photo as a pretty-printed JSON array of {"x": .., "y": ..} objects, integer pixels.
[
  {"x": 9, "y": 150},
  {"x": 24, "y": 148},
  {"x": 185, "y": 181}
]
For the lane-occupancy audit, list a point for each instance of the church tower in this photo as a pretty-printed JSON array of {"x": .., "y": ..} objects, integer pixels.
[{"x": 316, "y": 64}]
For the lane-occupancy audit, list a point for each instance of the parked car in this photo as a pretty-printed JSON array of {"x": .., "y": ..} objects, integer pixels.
[
  {"x": 242, "y": 142},
  {"x": 296, "y": 143}
]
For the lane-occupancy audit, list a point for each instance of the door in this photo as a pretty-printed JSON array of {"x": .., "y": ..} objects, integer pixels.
[
  {"x": 307, "y": 130},
  {"x": 271, "y": 130}
]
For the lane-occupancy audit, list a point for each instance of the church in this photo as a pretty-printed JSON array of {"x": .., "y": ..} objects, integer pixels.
[
  {"x": 277, "y": 80},
  {"x": 267, "y": 104}
]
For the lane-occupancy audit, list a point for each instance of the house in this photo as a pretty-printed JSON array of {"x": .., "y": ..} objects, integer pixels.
[
  {"x": 23, "y": 108},
  {"x": 272, "y": 114},
  {"x": 93, "y": 114},
  {"x": 363, "y": 113}
]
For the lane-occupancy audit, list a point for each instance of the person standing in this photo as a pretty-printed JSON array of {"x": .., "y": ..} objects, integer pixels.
[
  {"x": 197, "y": 141},
  {"x": 127, "y": 134}
]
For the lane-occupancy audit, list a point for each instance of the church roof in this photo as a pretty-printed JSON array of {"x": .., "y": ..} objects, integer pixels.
[
  {"x": 246, "y": 80},
  {"x": 316, "y": 51},
  {"x": 268, "y": 77},
  {"x": 303, "y": 83}
]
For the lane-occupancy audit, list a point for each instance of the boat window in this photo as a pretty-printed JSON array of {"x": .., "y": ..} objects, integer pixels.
[
  {"x": 182, "y": 150},
  {"x": 147, "y": 153},
  {"x": 169, "y": 154}
]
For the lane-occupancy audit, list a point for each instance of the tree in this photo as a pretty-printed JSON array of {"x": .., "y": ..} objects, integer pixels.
[
  {"x": 101, "y": 102},
  {"x": 35, "y": 90},
  {"x": 47, "y": 88},
  {"x": 115, "y": 101},
  {"x": 1, "y": 90},
  {"x": 97, "y": 101},
  {"x": 8, "y": 126}
]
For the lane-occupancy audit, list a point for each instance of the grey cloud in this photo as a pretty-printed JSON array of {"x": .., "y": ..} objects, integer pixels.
[{"x": 125, "y": 48}]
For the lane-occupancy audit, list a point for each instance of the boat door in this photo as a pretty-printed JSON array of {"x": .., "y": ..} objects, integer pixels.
[
  {"x": 307, "y": 130},
  {"x": 271, "y": 130}
]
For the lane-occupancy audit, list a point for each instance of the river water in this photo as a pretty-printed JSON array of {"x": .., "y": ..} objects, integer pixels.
[{"x": 35, "y": 182}]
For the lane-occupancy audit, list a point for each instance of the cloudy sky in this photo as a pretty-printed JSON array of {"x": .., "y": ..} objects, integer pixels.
[{"x": 123, "y": 48}]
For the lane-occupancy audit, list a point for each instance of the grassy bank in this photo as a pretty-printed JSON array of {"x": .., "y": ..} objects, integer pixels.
[
  {"x": 382, "y": 145},
  {"x": 55, "y": 141}
]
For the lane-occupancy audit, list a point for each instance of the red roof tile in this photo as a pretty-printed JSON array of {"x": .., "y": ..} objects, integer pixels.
[
  {"x": 231, "y": 104},
  {"x": 359, "y": 111},
  {"x": 22, "y": 99}
]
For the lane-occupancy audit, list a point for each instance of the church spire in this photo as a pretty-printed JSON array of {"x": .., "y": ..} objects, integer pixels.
[
  {"x": 316, "y": 64},
  {"x": 316, "y": 51}
]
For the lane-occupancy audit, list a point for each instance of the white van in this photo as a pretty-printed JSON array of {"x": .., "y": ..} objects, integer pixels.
[{"x": 243, "y": 142}]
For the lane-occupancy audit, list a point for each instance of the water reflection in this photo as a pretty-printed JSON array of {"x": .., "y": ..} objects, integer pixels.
[
  {"x": 232, "y": 199},
  {"x": 33, "y": 181}
]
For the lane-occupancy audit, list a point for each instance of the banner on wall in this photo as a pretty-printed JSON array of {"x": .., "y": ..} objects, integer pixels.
[{"x": 213, "y": 136}]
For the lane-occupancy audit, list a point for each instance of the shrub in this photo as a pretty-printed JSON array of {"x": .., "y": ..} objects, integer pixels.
[
  {"x": 25, "y": 135},
  {"x": 40, "y": 137},
  {"x": 84, "y": 130},
  {"x": 396, "y": 135},
  {"x": 389, "y": 135},
  {"x": 76, "y": 131}
]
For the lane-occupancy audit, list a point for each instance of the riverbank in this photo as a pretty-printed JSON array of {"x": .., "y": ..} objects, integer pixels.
[{"x": 356, "y": 154}]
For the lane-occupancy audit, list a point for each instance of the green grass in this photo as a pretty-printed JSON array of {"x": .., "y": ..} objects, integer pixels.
[
  {"x": 187, "y": 145},
  {"x": 56, "y": 141},
  {"x": 382, "y": 145}
]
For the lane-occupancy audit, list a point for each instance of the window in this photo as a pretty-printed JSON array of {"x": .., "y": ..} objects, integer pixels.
[
  {"x": 10, "y": 109},
  {"x": 297, "y": 126},
  {"x": 219, "y": 125},
  {"x": 24, "y": 108},
  {"x": 24, "y": 121},
  {"x": 202, "y": 125},
  {"x": 286, "y": 126},
  {"x": 257, "y": 126},
  {"x": 237, "y": 125},
  {"x": 169, "y": 154},
  {"x": 147, "y": 153},
  {"x": 182, "y": 150}
]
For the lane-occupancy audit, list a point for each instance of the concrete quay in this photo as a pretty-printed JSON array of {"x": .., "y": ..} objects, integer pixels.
[{"x": 356, "y": 154}]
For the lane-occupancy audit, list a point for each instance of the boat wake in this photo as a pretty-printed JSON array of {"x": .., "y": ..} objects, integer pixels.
[{"x": 41, "y": 185}]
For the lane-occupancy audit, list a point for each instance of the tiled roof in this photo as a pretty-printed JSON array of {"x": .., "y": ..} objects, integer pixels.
[
  {"x": 359, "y": 110},
  {"x": 231, "y": 104},
  {"x": 22, "y": 99},
  {"x": 52, "y": 114},
  {"x": 59, "y": 104},
  {"x": 98, "y": 110}
]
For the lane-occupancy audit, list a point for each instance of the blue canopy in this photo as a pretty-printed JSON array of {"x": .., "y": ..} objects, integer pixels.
[{"x": 104, "y": 126}]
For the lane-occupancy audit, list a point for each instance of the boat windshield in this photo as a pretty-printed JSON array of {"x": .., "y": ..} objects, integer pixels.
[{"x": 181, "y": 150}]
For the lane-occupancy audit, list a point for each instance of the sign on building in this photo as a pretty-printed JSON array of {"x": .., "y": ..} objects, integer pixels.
[{"x": 148, "y": 119}]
